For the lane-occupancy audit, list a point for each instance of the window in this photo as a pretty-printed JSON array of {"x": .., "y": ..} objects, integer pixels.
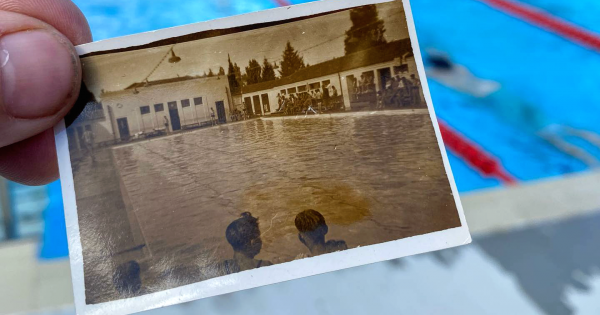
[
  {"x": 265, "y": 103},
  {"x": 88, "y": 127},
  {"x": 198, "y": 101},
  {"x": 314, "y": 86},
  {"x": 172, "y": 105},
  {"x": 282, "y": 92},
  {"x": 159, "y": 107},
  {"x": 291, "y": 90},
  {"x": 94, "y": 110},
  {"x": 302, "y": 88},
  {"x": 368, "y": 77},
  {"x": 185, "y": 103},
  {"x": 326, "y": 84},
  {"x": 95, "y": 106},
  {"x": 145, "y": 110},
  {"x": 400, "y": 69}
]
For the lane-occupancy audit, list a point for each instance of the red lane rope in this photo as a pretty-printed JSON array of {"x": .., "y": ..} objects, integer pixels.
[
  {"x": 548, "y": 22},
  {"x": 283, "y": 3},
  {"x": 474, "y": 156}
]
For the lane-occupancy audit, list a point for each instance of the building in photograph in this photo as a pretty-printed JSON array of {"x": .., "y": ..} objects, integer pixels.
[
  {"x": 154, "y": 108},
  {"x": 352, "y": 80}
]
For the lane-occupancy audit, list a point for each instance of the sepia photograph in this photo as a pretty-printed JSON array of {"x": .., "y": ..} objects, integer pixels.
[{"x": 231, "y": 150}]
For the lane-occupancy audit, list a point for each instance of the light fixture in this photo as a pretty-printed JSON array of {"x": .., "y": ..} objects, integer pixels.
[{"x": 174, "y": 58}]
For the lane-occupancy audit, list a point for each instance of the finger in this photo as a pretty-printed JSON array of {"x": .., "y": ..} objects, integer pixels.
[
  {"x": 31, "y": 161},
  {"x": 63, "y": 15},
  {"x": 40, "y": 76}
]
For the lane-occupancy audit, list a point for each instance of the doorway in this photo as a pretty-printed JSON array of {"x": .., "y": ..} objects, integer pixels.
[
  {"x": 385, "y": 75},
  {"x": 123, "y": 126},
  {"x": 221, "y": 115},
  {"x": 256, "y": 101},
  {"x": 174, "y": 114},
  {"x": 248, "y": 105}
]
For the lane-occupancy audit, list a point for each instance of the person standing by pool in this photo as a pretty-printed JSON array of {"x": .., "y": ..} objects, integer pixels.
[
  {"x": 511, "y": 108},
  {"x": 166, "y": 124},
  {"x": 326, "y": 96},
  {"x": 213, "y": 120},
  {"x": 319, "y": 98},
  {"x": 88, "y": 140},
  {"x": 308, "y": 104}
]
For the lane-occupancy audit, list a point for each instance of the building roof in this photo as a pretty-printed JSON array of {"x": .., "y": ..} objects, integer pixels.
[
  {"x": 165, "y": 81},
  {"x": 379, "y": 54}
]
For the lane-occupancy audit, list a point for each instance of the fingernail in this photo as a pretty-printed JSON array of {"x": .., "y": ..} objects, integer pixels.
[{"x": 38, "y": 74}]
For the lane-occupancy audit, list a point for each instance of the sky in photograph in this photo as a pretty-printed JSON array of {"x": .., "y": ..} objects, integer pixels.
[{"x": 318, "y": 39}]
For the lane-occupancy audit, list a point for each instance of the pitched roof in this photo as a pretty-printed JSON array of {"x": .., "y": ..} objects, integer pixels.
[
  {"x": 165, "y": 81},
  {"x": 382, "y": 53}
]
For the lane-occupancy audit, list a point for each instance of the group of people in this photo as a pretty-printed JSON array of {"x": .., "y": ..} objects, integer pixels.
[
  {"x": 238, "y": 115},
  {"x": 364, "y": 85},
  {"x": 315, "y": 101},
  {"x": 400, "y": 91},
  {"x": 244, "y": 236}
]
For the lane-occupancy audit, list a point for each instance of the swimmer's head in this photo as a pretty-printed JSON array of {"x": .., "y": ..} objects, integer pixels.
[
  {"x": 311, "y": 226},
  {"x": 439, "y": 62},
  {"x": 243, "y": 235},
  {"x": 127, "y": 278}
]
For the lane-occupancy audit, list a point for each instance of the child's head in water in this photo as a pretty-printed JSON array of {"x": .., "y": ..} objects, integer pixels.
[
  {"x": 244, "y": 235},
  {"x": 127, "y": 278},
  {"x": 311, "y": 227}
]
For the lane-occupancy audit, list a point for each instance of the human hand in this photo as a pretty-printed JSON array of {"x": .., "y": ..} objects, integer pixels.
[{"x": 40, "y": 77}]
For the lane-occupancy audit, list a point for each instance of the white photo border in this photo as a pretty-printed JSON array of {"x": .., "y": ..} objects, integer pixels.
[{"x": 261, "y": 276}]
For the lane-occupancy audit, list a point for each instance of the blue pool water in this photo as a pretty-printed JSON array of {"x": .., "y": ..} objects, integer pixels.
[{"x": 539, "y": 67}]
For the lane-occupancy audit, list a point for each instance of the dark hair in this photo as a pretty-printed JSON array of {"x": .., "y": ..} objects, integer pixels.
[
  {"x": 311, "y": 222},
  {"x": 127, "y": 277},
  {"x": 440, "y": 62},
  {"x": 241, "y": 232}
]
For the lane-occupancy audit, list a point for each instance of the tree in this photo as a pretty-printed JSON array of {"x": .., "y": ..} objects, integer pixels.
[
  {"x": 210, "y": 73},
  {"x": 221, "y": 71},
  {"x": 292, "y": 61},
  {"x": 367, "y": 29},
  {"x": 238, "y": 73},
  {"x": 234, "y": 77},
  {"x": 268, "y": 71},
  {"x": 253, "y": 72}
]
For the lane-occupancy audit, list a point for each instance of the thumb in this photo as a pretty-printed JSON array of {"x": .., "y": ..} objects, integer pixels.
[{"x": 40, "y": 75}]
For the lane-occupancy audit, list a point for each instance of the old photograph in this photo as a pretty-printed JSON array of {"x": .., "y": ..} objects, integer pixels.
[{"x": 222, "y": 152}]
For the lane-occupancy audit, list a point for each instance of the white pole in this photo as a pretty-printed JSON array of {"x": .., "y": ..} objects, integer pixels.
[{"x": 205, "y": 109}]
